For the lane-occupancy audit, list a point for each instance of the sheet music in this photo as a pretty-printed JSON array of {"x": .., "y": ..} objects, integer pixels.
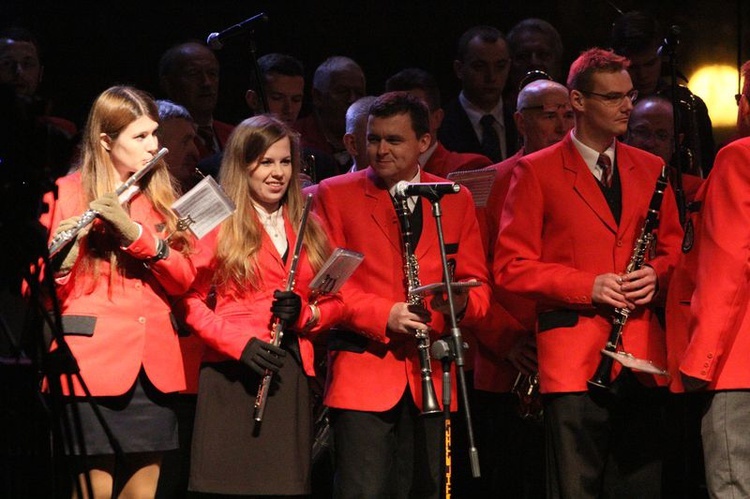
[
  {"x": 479, "y": 183},
  {"x": 206, "y": 205},
  {"x": 338, "y": 268}
]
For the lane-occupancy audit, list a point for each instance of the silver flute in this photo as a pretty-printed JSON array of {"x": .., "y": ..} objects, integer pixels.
[{"x": 63, "y": 238}]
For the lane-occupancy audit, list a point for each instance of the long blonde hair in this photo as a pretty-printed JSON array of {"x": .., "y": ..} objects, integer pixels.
[
  {"x": 240, "y": 235},
  {"x": 112, "y": 111}
]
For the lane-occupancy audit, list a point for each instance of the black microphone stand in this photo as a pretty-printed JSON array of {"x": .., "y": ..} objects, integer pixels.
[
  {"x": 258, "y": 77},
  {"x": 454, "y": 340},
  {"x": 670, "y": 46}
]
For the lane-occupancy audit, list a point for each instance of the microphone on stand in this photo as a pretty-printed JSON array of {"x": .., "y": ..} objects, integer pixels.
[
  {"x": 670, "y": 42},
  {"x": 216, "y": 40},
  {"x": 431, "y": 190}
]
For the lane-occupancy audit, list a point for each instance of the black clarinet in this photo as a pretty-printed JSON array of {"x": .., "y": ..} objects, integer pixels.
[
  {"x": 411, "y": 270},
  {"x": 602, "y": 378}
]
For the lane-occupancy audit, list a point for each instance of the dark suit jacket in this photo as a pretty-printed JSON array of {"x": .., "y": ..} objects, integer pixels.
[{"x": 457, "y": 134}]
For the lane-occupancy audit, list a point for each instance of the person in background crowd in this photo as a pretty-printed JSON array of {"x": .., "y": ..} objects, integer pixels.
[
  {"x": 477, "y": 121},
  {"x": 511, "y": 449},
  {"x": 437, "y": 159},
  {"x": 189, "y": 76},
  {"x": 283, "y": 79},
  {"x": 337, "y": 83},
  {"x": 639, "y": 37}
]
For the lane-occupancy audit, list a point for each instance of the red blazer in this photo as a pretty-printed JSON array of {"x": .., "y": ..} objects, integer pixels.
[
  {"x": 228, "y": 328},
  {"x": 113, "y": 331},
  {"x": 359, "y": 213},
  {"x": 442, "y": 161},
  {"x": 511, "y": 317},
  {"x": 715, "y": 345},
  {"x": 557, "y": 234}
]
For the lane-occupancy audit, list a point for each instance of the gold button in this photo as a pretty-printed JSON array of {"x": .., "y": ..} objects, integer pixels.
[{"x": 142, "y": 320}]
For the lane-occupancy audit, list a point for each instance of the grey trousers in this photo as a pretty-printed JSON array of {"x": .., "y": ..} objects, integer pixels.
[{"x": 725, "y": 431}]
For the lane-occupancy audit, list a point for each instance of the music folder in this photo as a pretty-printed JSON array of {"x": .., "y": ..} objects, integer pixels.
[
  {"x": 335, "y": 271},
  {"x": 203, "y": 207}
]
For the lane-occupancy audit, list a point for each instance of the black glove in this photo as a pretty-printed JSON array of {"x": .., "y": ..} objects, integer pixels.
[
  {"x": 286, "y": 306},
  {"x": 259, "y": 356}
]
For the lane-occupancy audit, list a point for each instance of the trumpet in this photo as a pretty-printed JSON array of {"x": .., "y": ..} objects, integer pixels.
[
  {"x": 526, "y": 388},
  {"x": 602, "y": 376},
  {"x": 411, "y": 270},
  {"x": 65, "y": 237}
]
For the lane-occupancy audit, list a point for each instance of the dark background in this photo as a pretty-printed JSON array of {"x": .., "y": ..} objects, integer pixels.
[{"x": 89, "y": 46}]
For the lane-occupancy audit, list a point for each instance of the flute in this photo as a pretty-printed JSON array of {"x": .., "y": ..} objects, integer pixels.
[
  {"x": 63, "y": 238},
  {"x": 277, "y": 331}
]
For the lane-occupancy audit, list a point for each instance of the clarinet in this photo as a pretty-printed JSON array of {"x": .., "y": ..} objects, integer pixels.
[
  {"x": 602, "y": 376},
  {"x": 411, "y": 271},
  {"x": 277, "y": 330},
  {"x": 63, "y": 238}
]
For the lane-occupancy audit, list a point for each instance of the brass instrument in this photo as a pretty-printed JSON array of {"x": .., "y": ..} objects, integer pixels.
[
  {"x": 602, "y": 376},
  {"x": 411, "y": 270},
  {"x": 63, "y": 238},
  {"x": 277, "y": 330},
  {"x": 526, "y": 388}
]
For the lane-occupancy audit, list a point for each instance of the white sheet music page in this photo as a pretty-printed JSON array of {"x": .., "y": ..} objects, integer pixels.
[
  {"x": 479, "y": 183},
  {"x": 205, "y": 205}
]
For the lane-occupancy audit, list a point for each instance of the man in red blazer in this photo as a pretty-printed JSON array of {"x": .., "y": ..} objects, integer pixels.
[
  {"x": 708, "y": 330},
  {"x": 567, "y": 232},
  {"x": 383, "y": 446},
  {"x": 509, "y": 447}
]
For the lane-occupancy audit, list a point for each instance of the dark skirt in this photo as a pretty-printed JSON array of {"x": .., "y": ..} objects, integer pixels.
[
  {"x": 230, "y": 454},
  {"x": 142, "y": 420}
]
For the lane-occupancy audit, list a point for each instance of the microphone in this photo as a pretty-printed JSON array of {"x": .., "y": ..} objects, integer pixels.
[
  {"x": 670, "y": 42},
  {"x": 216, "y": 40},
  {"x": 433, "y": 190}
]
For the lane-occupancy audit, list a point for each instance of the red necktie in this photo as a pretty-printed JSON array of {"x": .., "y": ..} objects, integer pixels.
[{"x": 606, "y": 166}]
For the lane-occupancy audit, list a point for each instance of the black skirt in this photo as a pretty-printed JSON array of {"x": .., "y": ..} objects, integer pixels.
[
  {"x": 142, "y": 420},
  {"x": 230, "y": 454}
]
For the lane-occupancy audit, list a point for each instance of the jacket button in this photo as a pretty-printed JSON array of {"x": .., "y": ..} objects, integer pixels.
[
  {"x": 619, "y": 242},
  {"x": 142, "y": 320},
  {"x": 710, "y": 356}
]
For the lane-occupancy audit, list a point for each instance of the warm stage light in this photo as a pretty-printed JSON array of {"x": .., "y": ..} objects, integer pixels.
[{"x": 716, "y": 85}]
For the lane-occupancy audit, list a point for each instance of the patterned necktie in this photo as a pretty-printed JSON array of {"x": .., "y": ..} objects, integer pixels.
[
  {"x": 206, "y": 133},
  {"x": 490, "y": 140},
  {"x": 606, "y": 166}
]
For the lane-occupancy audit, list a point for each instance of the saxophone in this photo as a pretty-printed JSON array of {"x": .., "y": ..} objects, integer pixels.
[
  {"x": 602, "y": 376},
  {"x": 411, "y": 271}
]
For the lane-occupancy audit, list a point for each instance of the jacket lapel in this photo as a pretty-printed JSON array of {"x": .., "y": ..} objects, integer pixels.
[
  {"x": 585, "y": 184},
  {"x": 378, "y": 203},
  {"x": 630, "y": 188}
]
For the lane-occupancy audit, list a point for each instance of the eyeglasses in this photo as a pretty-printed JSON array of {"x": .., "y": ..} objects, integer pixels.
[{"x": 614, "y": 98}]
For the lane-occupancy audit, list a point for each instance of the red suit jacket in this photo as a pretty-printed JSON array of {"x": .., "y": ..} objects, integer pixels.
[
  {"x": 115, "y": 330},
  {"x": 511, "y": 317},
  {"x": 359, "y": 213},
  {"x": 442, "y": 161},
  {"x": 709, "y": 328},
  {"x": 231, "y": 324},
  {"x": 557, "y": 233}
]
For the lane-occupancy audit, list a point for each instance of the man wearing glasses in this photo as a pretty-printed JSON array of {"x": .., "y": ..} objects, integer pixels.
[{"x": 572, "y": 216}]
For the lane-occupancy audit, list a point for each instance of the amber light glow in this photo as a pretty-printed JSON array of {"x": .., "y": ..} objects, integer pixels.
[{"x": 716, "y": 85}]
